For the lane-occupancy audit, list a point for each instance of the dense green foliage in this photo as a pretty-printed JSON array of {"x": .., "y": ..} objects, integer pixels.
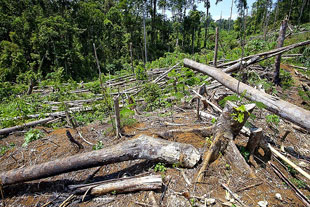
[{"x": 39, "y": 37}]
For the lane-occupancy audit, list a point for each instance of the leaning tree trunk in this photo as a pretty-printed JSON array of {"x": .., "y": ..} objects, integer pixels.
[
  {"x": 226, "y": 129},
  {"x": 282, "y": 108},
  {"x": 216, "y": 46},
  {"x": 281, "y": 38},
  {"x": 144, "y": 147}
]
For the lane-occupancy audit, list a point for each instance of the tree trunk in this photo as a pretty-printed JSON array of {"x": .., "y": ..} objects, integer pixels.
[
  {"x": 144, "y": 32},
  {"x": 98, "y": 66},
  {"x": 276, "y": 78},
  {"x": 216, "y": 46},
  {"x": 301, "y": 11},
  {"x": 144, "y": 147},
  {"x": 231, "y": 8},
  {"x": 122, "y": 185},
  {"x": 206, "y": 26},
  {"x": 30, "y": 124},
  {"x": 131, "y": 58},
  {"x": 193, "y": 41},
  {"x": 117, "y": 118},
  {"x": 226, "y": 129},
  {"x": 282, "y": 108}
]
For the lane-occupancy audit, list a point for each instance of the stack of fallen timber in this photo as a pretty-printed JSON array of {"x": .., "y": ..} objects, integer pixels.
[
  {"x": 144, "y": 147},
  {"x": 282, "y": 108},
  {"x": 264, "y": 55}
]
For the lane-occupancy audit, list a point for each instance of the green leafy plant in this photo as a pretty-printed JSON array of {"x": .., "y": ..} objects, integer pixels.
[
  {"x": 244, "y": 152},
  {"x": 98, "y": 145},
  {"x": 273, "y": 119},
  {"x": 286, "y": 79},
  {"x": 192, "y": 201},
  {"x": 239, "y": 114},
  {"x": 299, "y": 183},
  {"x": 4, "y": 149},
  {"x": 160, "y": 167},
  {"x": 214, "y": 120},
  {"x": 31, "y": 135},
  {"x": 126, "y": 117},
  {"x": 227, "y": 166}
]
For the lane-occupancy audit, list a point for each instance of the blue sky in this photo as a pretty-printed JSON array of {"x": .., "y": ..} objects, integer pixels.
[{"x": 223, "y": 7}]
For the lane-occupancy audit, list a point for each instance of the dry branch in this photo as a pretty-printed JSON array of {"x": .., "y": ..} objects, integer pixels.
[
  {"x": 144, "y": 147},
  {"x": 301, "y": 171},
  {"x": 282, "y": 108}
]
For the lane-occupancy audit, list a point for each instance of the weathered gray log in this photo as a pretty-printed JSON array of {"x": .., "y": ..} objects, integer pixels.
[
  {"x": 278, "y": 50},
  {"x": 123, "y": 185},
  {"x": 203, "y": 131},
  {"x": 226, "y": 129},
  {"x": 280, "y": 41},
  {"x": 30, "y": 124},
  {"x": 117, "y": 117},
  {"x": 282, "y": 108},
  {"x": 144, "y": 147}
]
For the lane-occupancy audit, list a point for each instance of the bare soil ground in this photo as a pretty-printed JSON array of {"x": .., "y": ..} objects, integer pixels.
[{"x": 180, "y": 188}]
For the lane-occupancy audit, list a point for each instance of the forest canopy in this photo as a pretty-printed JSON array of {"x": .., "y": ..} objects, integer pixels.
[{"x": 40, "y": 37}]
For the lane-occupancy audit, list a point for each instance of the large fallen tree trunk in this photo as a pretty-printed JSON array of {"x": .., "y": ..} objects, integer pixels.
[
  {"x": 282, "y": 108},
  {"x": 144, "y": 147}
]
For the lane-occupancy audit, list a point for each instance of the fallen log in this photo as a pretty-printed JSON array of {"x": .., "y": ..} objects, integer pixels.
[
  {"x": 226, "y": 129},
  {"x": 30, "y": 124},
  {"x": 282, "y": 108},
  {"x": 122, "y": 185},
  {"x": 144, "y": 147}
]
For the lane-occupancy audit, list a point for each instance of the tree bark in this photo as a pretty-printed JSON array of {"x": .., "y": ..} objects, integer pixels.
[
  {"x": 144, "y": 147},
  {"x": 226, "y": 129},
  {"x": 117, "y": 118},
  {"x": 131, "y": 58},
  {"x": 282, "y": 108},
  {"x": 30, "y": 124},
  {"x": 122, "y": 185},
  {"x": 216, "y": 46},
  {"x": 281, "y": 38},
  {"x": 98, "y": 66},
  {"x": 206, "y": 24}
]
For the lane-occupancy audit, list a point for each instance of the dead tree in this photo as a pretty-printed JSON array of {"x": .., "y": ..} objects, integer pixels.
[
  {"x": 226, "y": 129},
  {"x": 98, "y": 66},
  {"x": 282, "y": 108},
  {"x": 277, "y": 63},
  {"x": 216, "y": 46},
  {"x": 118, "y": 131},
  {"x": 144, "y": 147}
]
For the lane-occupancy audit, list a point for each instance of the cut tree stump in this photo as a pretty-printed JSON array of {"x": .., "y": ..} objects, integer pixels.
[
  {"x": 226, "y": 129},
  {"x": 282, "y": 108},
  {"x": 144, "y": 147}
]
